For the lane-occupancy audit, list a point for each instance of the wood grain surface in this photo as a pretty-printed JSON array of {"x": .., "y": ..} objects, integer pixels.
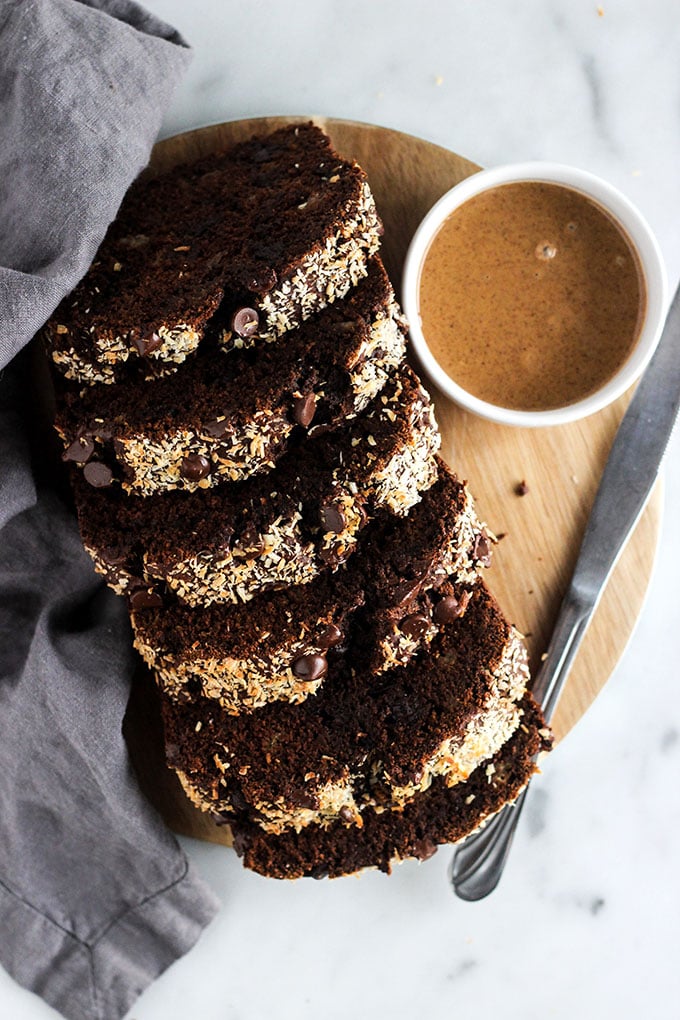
[{"x": 561, "y": 467}]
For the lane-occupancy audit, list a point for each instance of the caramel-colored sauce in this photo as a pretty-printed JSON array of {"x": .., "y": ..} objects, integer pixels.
[{"x": 531, "y": 296}]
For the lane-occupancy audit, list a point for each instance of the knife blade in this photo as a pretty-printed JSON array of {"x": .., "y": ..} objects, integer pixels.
[
  {"x": 627, "y": 480},
  {"x": 633, "y": 463}
]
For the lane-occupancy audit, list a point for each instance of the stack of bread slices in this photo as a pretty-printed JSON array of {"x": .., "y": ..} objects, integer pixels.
[{"x": 255, "y": 468}]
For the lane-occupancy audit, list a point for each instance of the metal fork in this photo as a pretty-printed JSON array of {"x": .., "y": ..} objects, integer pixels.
[{"x": 478, "y": 863}]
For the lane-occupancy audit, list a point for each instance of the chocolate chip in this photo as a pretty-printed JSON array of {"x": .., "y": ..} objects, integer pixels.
[
  {"x": 304, "y": 409},
  {"x": 216, "y": 429},
  {"x": 424, "y": 848},
  {"x": 346, "y": 813},
  {"x": 319, "y": 871},
  {"x": 251, "y": 543},
  {"x": 446, "y": 610},
  {"x": 333, "y": 518},
  {"x": 262, "y": 280},
  {"x": 330, "y": 557},
  {"x": 482, "y": 550},
  {"x": 114, "y": 557},
  {"x": 394, "y": 642},
  {"x": 329, "y": 637},
  {"x": 414, "y": 626},
  {"x": 194, "y": 467},
  {"x": 238, "y": 801},
  {"x": 188, "y": 694},
  {"x": 306, "y": 799},
  {"x": 450, "y": 608},
  {"x": 310, "y": 667},
  {"x": 142, "y": 598},
  {"x": 522, "y": 488},
  {"x": 245, "y": 322},
  {"x": 97, "y": 474},
  {"x": 79, "y": 451},
  {"x": 146, "y": 344}
]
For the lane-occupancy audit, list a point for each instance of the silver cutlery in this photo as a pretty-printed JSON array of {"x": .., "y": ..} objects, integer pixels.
[{"x": 627, "y": 481}]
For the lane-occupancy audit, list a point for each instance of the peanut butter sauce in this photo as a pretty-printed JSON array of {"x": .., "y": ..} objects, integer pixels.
[{"x": 531, "y": 296}]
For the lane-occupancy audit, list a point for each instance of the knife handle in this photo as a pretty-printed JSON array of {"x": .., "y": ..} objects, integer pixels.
[{"x": 572, "y": 622}]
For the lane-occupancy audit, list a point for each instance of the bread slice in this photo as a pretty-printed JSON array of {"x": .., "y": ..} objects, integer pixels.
[
  {"x": 251, "y": 242},
  {"x": 364, "y": 741},
  {"x": 439, "y": 815},
  {"x": 228, "y": 543},
  {"x": 223, "y": 417},
  {"x": 387, "y": 602}
]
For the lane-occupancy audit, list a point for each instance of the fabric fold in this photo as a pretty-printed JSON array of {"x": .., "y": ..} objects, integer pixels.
[
  {"x": 102, "y": 980},
  {"x": 96, "y": 896},
  {"x": 83, "y": 89}
]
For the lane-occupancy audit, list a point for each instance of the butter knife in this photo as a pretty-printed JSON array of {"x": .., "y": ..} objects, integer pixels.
[{"x": 628, "y": 478}]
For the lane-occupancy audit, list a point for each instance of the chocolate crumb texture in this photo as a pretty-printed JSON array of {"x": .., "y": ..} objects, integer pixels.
[
  {"x": 223, "y": 417},
  {"x": 383, "y": 607},
  {"x": 255, "y": 469},
  {"x": 228, "y": 543},
  {"x": 440, "y": 815},
  {"x": 259, "y": 239},
  {"x": 363, "y": 742}
]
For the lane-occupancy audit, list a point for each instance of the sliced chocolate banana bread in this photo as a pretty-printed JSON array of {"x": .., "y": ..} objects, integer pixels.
[
  {"x": 363, "y": 741},
  {"x": 388, "y": 601},
  {"x": 227, "y": 416},
  {"x": 226, "y": 544},
  {"x": 438, "y": 815},
  {"x": 251, "y": 241},
  {"x": 337, "y": 682}
]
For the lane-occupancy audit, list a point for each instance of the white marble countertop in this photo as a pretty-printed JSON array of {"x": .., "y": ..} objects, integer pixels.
[{"x": 586, "y": 921}]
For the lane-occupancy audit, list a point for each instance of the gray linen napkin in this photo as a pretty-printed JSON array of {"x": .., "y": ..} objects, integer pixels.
[{"x": 96, "y": 898}]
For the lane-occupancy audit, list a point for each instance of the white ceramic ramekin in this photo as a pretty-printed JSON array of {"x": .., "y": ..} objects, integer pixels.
[{"x": 635, "y": 227}]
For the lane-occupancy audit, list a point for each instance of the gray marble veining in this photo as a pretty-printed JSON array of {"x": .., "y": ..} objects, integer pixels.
[{"x": 586, "y": 922}]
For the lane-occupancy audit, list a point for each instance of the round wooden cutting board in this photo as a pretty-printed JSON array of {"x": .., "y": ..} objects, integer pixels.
[{"x": 539, "y": 531}]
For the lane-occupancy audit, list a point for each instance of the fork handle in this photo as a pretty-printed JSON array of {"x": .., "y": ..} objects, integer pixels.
[
  {"x": 479, "y": 861},
  {"x": 572, "y": 622},
  {"x": 478, "y": 864}
]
